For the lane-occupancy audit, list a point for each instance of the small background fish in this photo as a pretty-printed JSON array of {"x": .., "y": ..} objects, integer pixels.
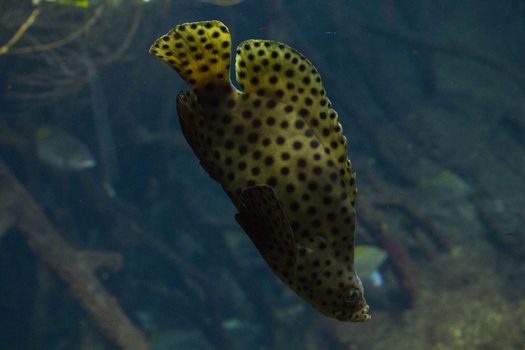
[
  {"x": 446, "y": 186},
  {"x": 60, "y": 150},
  {"x": 368, "y": 260}
]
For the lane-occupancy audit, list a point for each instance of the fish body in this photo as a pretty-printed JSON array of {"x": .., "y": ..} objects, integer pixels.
[
  {"x": 62, "y": 151},
  {"x": 277, "y": 149}
]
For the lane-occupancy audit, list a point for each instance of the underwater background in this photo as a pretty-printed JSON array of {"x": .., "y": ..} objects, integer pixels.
[{"x": 113, "y": 237}]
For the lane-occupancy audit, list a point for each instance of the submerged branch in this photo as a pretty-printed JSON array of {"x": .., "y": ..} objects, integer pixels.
[
  {"x": 20, "y": 32},
  {"x": 404, "y": 266},
  {"x": 63, "y": 41},
  {"x": 77, "y": 268},
  {"x": 119, "y": 51}
]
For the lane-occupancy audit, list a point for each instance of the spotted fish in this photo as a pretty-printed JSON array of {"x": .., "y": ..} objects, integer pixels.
[{"x": 277, "y": 149}]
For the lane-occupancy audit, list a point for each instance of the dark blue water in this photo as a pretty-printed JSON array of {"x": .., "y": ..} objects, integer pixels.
[{"x": 431, "y": 96}]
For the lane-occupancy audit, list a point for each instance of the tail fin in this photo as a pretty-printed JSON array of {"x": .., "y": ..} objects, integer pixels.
[{"x": 199, "y": 52}]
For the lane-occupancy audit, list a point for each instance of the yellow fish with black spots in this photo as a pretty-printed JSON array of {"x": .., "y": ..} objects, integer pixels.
[{"x": 277, "y": 149}]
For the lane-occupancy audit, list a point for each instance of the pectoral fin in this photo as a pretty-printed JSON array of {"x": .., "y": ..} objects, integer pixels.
[{"x": 262, "y": 216}]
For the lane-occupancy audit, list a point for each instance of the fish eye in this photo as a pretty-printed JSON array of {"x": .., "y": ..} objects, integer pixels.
[{"x": 352, "y": 296}]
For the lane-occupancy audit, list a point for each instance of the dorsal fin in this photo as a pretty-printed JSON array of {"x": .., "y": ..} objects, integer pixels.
[
  {"x": 263, "y": 218},
  {"x": 199, "y": 52},
  {"x": 280, "y": 72}
]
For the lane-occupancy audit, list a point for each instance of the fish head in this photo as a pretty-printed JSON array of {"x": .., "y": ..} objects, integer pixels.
[
  {"x": 328, "y": 280},
  {"x": 354, "y": 303},
  {"x": 348, "y": 302}
]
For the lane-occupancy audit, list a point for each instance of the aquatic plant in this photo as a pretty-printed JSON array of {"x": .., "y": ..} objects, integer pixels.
[{"x": 56, "y": 40}]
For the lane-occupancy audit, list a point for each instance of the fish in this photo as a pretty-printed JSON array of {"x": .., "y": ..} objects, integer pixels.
[
  {"x": 447, "y": 186},
  {"x": 222, "y": 2},
  {"x": 62, "y": 151},
  {"x": 278, "y": 150},
  {"x": 368, "y": 260}
]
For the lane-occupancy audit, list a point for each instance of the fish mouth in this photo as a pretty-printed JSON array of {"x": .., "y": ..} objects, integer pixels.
[
  {"x": 358, "y": 316},
  {"x": 361, "y": 315}
]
